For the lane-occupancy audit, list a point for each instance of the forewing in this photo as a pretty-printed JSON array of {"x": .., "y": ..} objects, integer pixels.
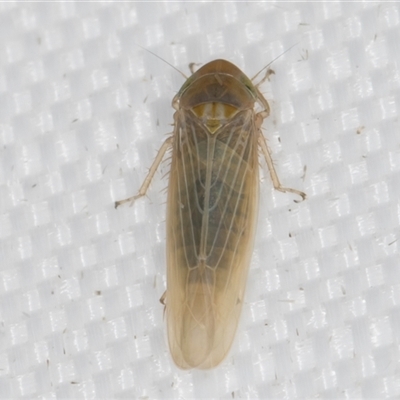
[{"x": 212, "y": 206}]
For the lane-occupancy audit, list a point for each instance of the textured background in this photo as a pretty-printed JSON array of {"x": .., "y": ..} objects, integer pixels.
[{"x": 83, "y": 111}]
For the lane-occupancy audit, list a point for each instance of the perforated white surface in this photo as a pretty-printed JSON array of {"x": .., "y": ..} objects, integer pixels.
[{"x": 83, "y": 111}]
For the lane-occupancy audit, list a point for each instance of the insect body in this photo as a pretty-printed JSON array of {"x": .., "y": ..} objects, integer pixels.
[{"x": 211, "y": 209}]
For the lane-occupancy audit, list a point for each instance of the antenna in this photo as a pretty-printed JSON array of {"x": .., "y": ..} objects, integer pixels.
[
  {"x": 166, "y": 62},
  {"x": 280, "y": 55}
]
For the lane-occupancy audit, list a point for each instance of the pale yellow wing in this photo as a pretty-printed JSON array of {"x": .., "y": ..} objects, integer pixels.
[{"x": 211, "y": 219}]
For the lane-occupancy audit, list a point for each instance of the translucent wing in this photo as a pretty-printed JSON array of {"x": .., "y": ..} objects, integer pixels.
[{"x": 211, "y": 219}]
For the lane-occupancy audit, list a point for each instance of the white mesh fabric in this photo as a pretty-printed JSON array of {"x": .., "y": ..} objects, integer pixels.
[{"x": 83, "y": 111}]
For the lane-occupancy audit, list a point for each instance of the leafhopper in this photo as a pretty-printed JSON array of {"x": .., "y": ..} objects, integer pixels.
[{"x": 212, "y": 209}]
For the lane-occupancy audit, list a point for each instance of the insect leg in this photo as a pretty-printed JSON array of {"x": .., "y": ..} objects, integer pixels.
[
  {"x": 162, "y": 298},
  {"x": 146, "y": 183},
  {"x": 274, "y": 176},
  {"x": 265, "y": 112},
  {"x": 192, "y": 67},
  {"x": 265, "y": 150}
]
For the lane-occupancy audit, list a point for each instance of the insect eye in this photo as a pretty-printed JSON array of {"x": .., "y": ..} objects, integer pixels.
[{"x": 250, "y": 87}]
